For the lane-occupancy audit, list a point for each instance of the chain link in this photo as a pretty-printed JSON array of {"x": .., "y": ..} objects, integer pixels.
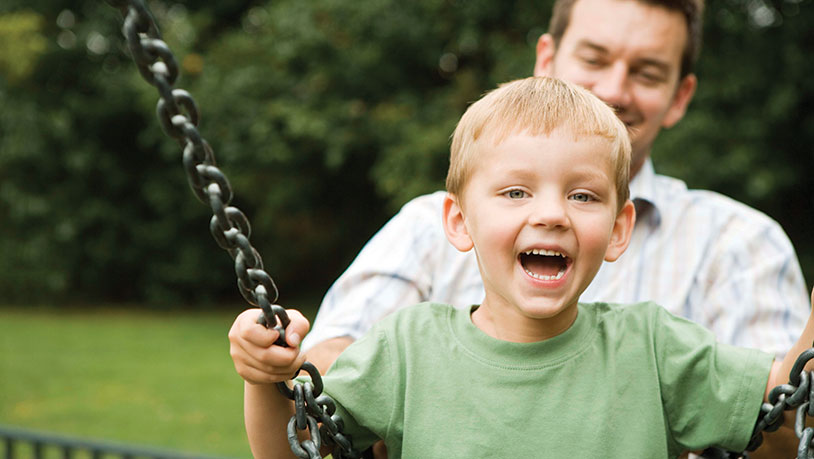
[
  {"x": 178, "y": 115},
  {"x": 794, "y": 395}
]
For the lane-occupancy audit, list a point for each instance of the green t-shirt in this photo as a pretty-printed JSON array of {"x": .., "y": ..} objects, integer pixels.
[{"x": 623, "y": 381}]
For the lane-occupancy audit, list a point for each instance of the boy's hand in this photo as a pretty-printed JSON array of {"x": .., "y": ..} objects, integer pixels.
[{"x": 256, "y": 359}]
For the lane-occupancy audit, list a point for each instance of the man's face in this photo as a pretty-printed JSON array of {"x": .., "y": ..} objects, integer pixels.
[{"x": 628, "y": 54}]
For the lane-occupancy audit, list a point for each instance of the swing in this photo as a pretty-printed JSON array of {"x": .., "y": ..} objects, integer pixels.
[{"x": 315, "y": 412}]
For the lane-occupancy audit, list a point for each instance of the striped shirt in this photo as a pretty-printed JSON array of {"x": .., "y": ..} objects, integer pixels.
[{"x": 699, "y": 254}]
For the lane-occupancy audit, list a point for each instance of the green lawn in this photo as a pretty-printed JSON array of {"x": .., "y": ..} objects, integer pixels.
[{"x": 152, "y": 378}]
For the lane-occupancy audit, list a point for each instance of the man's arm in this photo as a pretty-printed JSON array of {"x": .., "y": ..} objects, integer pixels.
[
  {"x": 755, "y": 294},
  {"x": 323, "y": 354},
  {"x": 392, "y": 271}
]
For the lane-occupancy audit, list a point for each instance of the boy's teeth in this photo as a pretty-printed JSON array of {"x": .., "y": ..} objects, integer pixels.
[
  {"x": 550, "y": 253},
  {"x": 544, "y": 277}
]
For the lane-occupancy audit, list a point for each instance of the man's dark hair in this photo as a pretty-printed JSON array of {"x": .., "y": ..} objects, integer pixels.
[{"x": 692, "y": 10}]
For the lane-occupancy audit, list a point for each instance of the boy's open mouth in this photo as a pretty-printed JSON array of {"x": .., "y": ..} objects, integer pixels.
[{"x": 544, "y": 264}]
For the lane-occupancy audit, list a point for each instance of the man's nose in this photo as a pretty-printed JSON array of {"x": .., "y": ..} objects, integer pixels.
[{"x": 613, "y": 86}]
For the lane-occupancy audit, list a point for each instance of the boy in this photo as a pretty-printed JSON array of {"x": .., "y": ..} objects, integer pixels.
[{"x": 537, "y": 187}]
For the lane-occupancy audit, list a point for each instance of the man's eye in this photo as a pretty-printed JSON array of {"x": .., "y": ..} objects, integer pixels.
[
  {"x": 650, "y": 78},
  {"x": 515, "y": 194},
  {"x": 591, "y": 61}
]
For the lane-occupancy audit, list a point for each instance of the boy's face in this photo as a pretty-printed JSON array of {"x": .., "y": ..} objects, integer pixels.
[
  {"x": 541, "y": 214},
  {"x": 628, "y": 54}
]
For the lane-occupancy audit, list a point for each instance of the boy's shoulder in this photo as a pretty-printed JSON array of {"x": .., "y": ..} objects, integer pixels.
[
  {"x": 644, "y": 318},
  {"x": 418, "y": 315},
  {"x": 641, "y": 311}
]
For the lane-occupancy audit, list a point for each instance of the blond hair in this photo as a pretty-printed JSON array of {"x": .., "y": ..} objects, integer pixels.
[{"x": 536, "y": 106}]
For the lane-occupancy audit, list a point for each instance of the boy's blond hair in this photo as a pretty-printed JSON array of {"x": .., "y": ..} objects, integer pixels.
[{"x": 536, "y": 106}]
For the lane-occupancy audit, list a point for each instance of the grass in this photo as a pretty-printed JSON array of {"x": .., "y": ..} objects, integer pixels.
[{"x": 151, "y": 378}]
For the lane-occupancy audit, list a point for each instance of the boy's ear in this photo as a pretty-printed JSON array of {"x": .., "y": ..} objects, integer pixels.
[
  {"x": 622, "y": 229},
  {"x": 455, "y": 225}
]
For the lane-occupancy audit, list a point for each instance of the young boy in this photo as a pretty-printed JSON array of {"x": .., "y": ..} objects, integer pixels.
[{"x": 538, "y": 188}]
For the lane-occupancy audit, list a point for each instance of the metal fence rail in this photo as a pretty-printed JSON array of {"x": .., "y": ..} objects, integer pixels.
[{"x": 23, "y": 444}]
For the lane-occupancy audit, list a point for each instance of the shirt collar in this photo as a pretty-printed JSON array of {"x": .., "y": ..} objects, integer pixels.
[{"x": 644, "y": 195}]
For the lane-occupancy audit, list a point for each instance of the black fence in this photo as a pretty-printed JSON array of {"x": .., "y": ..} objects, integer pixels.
[{"x": 27, "y": 444}]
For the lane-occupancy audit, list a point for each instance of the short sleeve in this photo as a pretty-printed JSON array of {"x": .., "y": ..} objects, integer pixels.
[
  {"x": 711, "y": 391},
  {"x": 363, "y": 383}
]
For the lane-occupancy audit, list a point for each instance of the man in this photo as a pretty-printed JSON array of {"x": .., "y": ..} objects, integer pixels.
[{"x": 699, "y": 254}]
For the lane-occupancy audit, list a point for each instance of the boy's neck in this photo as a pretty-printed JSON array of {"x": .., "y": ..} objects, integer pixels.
[{"x": 507, "y": 324}]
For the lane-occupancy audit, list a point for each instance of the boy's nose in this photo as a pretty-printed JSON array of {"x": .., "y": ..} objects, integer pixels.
[{"x": 549, "y": 213}]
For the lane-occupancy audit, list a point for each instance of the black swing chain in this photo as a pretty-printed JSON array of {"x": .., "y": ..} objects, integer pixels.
[
  {"x": 796, "y": 395},
  {"x": 178, "y": 115}
]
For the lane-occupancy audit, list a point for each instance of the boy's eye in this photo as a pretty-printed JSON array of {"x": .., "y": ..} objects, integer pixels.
[
  {"x": 515, "y": 194},
  {"x": 581, "y": 197}
]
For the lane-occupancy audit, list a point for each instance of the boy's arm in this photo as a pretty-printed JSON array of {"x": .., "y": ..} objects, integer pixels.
[
  {"x": 266, "y": 413},
  {"x": 779, "y": 373},
  {"x": 262, "y": 364},
  {"x": 784, "y": 442}
]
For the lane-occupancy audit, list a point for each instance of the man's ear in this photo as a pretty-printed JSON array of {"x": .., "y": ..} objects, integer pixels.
[
  {"x": 681, "y": 100},
  {"x": 543, "y": 66},
  {"x": 455, "y": 224},
  {"x": 622, "y": 229}
]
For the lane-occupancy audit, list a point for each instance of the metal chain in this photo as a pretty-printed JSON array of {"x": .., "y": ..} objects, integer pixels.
[
  {"x": 797, "y": 395},
  {"x": 179, "y": 116},
  {"x": 315, "y": 412}
]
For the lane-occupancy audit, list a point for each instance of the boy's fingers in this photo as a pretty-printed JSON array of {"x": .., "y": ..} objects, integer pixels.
[
  {"x": 256, "y": 358},
  {"x": 260, "y": 336},
  {"x": 275, "y": 363},
  {"x": 297, "y": 329},
  {"x": 246, "y": 329},
  {"x": 278, "y": 356},
  {"x": 255, "y": 376}
]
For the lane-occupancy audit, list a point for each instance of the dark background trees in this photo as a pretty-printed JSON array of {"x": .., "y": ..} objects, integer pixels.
[{"x": 326, "y": 115}]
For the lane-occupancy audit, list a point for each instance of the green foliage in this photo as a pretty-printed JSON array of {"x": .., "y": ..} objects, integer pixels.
[
  {"x": 23, "y": 29},
  {"x": 326, "y": 115}
]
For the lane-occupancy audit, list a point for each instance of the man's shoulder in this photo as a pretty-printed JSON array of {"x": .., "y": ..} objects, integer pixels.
[
  {"x": 675, "y": 194},
  {"x": 419, "y": 220},
  {"x": 426, "y": 202},
  {"x": 421, "y": 211}
]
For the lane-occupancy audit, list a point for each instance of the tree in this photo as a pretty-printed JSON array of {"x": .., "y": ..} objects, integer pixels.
[{"x": 327, "y": 116}]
